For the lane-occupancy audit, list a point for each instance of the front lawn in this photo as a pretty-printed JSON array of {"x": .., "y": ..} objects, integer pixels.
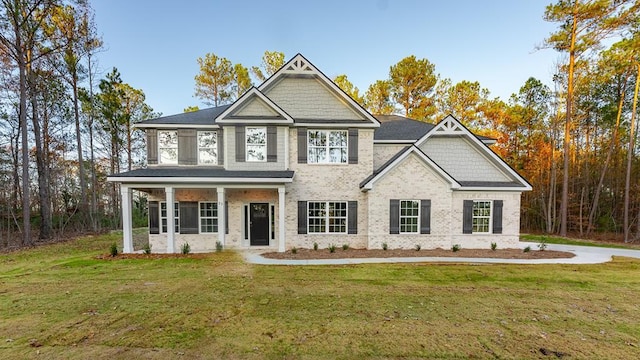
[
  {"x": 59, "y": 301},
  {"x": 550, "y": 239}
]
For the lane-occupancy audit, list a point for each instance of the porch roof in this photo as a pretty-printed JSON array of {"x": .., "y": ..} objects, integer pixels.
[{"x": 200, "y": 174}]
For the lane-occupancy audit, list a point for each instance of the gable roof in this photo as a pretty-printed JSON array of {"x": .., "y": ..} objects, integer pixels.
[
  {"x": 399, "y": 129},
  {"x": 200, "y": 118},
  {"x": 367, "y": 184},
  {"x": 233, "y": 113},
  {"x": 450, "y": 126}
]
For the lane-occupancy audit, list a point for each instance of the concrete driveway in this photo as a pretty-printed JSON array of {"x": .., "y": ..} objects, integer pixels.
[{"x": 584, "y": 255}]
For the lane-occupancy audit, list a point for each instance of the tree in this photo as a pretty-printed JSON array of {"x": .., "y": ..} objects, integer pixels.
[
  {"x": 346, "y": 86},
  {"x": 412, "y": 84},
  {"x": 463, "y": 100},
  {"x": 191, "y": 109},
  {"x": 583, "y": 24},
  {"x": 241, "y": 80},
  {"x": 271, "y": 62},
  {"x": 215, "y": 80},
  {"x": 378, "y": 100}
]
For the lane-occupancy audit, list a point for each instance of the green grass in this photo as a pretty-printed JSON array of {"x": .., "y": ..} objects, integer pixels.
[
  {"x": 59, "y": 301},
  {"x": 568, "y": 241}
]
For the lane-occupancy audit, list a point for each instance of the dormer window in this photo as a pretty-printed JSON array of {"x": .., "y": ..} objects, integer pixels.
[
  {"x": 327, "y": 146},
  {"x": 207, "y": 148},
  {"x": 168, "y": 146},
  {"x": 256, "y": 144}
]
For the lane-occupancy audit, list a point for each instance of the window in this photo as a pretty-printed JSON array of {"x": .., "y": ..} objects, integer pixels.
[
  {"x": 207, "y": 147},
  {"x": 176, "y": 215},
  {"x": 409, "y": 216},
  {"x": 327, "y": 147},
  {"x": 168, "y": 147},
  {"x": 256, "y": 144},
  {"x": 327, "y": 217},
  {"x": 208, "y": 217},
  {"x": 481, "y": 216}
]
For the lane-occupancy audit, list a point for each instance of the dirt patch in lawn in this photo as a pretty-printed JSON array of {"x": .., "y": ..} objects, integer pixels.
[
  {"x": 152, "y": 256},
  {"x": 306, "y": 254}
]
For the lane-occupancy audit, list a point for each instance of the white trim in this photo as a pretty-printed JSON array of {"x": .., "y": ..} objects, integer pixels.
[
  {"x": 176, "y": 205},
  {"x": 207, "y": 217},
  {"x": 327, "y": 217},
  {"x": 247, "y": 97},
  {"x": 191, "y": 180},
  {"x": 394, "y": 141},
  {"x": 327, "y": 147},
  {"x": 400, "y": 216},
  {"x": 246, "y": 144},
  {"x": 127, "y": 231},
  {"x": 222, "y": 215},
  {"x": 334, "y": 125},
  {"x": 177, "y": 159},
  {"x": 300, "y": 65},
  {"x": 490, "y": 227},
  {"x": 175, "y": 126},
  {"x": 495, "y": 188},
  {"x": 451, "y": 126},
  {"x": 412, "y": 150},
  {"x": 171, "y": 236},
  {"x": 281, "y": 225}
]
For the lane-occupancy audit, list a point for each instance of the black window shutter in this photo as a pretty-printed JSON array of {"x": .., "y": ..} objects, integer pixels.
[
  {"x": 240, "y": 143},
  {"x": 353, "y": 146},
  {"x": 187, "y": 147},
  {"x": 219, "y": 139},
  {"x": 352, "y": 214},
  {"x": 152, "y": 146},
  {"x": 272, "y": 144},
  {"x": 497, "y": 216},
  {"x": 188, "y": 217},
  {"x": 154, "y": 218},
  {"x": 467, "y": 217},
  {"x": 302, "y": 146},
  {"x": 226, "y": 217},
  {"x": 425, "y": 216},
  {"x": 302, "y": 217},
  {"x": 394, "y": 216}
]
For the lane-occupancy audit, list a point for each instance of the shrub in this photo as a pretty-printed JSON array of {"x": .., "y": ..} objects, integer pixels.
[
  {"x": 417, "y": 247},
  {"x": 543, "y": 245},
  {"x": 345, "y": 246},
  {"x": 218, "y": 246},
  {"x": 113, "y": 250},
  {"x": 294, "y": 250},
  {"x": 494, "y": 246},
  {"x": 315, "y": 246},
  {"x": 185, "y": 248},
  {"x": 384, "y": 246},
  {"x": 456, "y": 247},
  {"x": 332, "y": 248},
  {"x": 527, "y": 249},
  {"x": 147, "y": 248}
]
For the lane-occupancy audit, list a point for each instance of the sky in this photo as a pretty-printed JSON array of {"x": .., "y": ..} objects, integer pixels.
[{"x": 155, "y": 44}]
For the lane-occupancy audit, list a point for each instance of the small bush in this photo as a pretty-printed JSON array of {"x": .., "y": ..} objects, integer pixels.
[
  {"x": 113, "y": 250},
  {"x": 147, "y": 248},
  {"x": 527, "y": 249},
  {"x": 315, "y": 246},
  {"x": 218, "y": 246},
  {"x": 418, "y": 247},
  {"x": 345, "y": 246},
  {"x": 455, "y": 248},
  {"x": 332, "y": 248},
  {"x": 543, "y": 245},
  {"x": 494, "y": 246},
  {"x": 294, "y": 250},
  {"x": 384, "y": 246},
  {"x": 185, "y": 248}
]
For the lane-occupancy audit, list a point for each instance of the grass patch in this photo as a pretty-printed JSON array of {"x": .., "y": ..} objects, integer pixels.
[
  {"x": 62, "y": 302},
  {"x": 582, "y": 242}
]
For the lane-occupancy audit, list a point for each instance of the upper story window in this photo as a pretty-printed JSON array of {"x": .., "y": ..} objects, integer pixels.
[
  {"x": 256, "y": 143},
  {"x": 481, "y": 216},
  {"x": 327, "y": 146},
  {"x": 168, "y": 146},
  {"x": 207, "y": 148}
]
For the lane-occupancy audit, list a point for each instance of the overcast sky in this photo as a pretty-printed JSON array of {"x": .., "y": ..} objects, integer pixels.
[{"x": 155, "y": 43}]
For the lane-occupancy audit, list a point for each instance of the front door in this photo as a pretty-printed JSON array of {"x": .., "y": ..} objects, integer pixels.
[{"x": 259, "y": 224}]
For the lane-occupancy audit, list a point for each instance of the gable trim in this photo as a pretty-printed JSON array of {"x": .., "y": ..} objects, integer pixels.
[
  {"x": 450, "y": 126},
  {"x": 227, "y": 117}
]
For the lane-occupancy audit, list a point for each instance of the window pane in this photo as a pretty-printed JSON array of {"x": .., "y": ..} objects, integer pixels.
[
  {"x": 207, "y": 147},
  {"x": 168, "y": 147},
  {"x": 481, "y": 216},
  {"x": 256, "y": 152},
  {"x": 256, "y": 136}
]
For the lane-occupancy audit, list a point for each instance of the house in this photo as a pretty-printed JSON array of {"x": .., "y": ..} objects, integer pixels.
[{"x": 296, "y": 161}]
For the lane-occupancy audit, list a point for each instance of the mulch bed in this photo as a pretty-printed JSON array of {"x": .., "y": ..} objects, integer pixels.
[
  {"x": 152, "y": 256},
  {"x": 306, "y": 254}
]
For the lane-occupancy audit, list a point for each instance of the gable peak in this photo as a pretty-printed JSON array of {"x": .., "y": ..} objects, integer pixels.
[
  {"x": 449, "y": 126},
  {"x": 299, "y": 65}
]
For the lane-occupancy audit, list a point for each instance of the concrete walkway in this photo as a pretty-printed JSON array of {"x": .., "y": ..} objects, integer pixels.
[{"x": 584, "y": 255}]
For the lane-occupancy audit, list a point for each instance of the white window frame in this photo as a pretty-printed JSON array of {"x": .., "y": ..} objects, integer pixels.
[
  {"x": 488, "y": 217},
  {"x": 327, "y": 147},
  {"x": 416, "y": 217},
  {"x": 201, "y": 217},
  {"x": 327, "y": 217},
  {"x": 247, "y": 144},
  {"x": 173, "y": 146},
  {"x": 176, "y": 219},
  {"x": 214, "y": 147}
]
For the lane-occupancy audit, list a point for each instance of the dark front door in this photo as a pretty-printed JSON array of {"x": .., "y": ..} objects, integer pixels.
[{"x": 259, "y": 223}]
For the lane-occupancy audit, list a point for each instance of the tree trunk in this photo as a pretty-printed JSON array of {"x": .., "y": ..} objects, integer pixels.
[
  {"x": 76, "y": 113},
  {"x": 24, "y": 131},
  {"x": 627, "y": 183},
  {"x": 94, "y": 185}
]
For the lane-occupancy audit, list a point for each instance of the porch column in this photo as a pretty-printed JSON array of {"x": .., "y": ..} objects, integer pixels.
[
  {"x": 127, "y": 231},
  {"x": 171, "y": 230},
  {"x": 281, "y": 217},
  {"x": 222, "y": 216}
]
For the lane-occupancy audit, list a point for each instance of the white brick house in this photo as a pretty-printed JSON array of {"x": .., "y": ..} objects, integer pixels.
[{"x": 296, "y": 161}]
